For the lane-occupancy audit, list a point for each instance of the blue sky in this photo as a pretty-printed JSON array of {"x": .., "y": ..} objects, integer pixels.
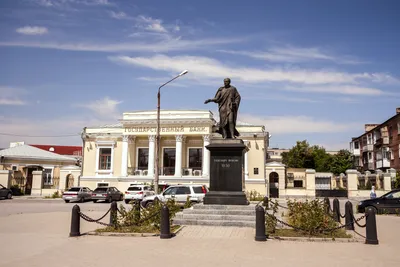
[{"x": 315, "y": 70}]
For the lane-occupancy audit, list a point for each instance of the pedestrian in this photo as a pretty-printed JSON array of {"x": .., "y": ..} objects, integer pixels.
[{"x": 373, "y": 193}]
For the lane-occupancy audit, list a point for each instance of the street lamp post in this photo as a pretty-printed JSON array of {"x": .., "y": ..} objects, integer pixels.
[{"x": 157, "y": 165}]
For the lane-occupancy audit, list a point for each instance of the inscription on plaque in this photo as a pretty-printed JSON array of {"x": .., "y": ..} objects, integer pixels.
[{"x": 225, "y": 163}]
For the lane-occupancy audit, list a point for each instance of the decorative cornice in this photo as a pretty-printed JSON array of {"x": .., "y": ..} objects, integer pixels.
[
  {"x": 206, "y": 137},
  {"x": 152, "y": 138}
]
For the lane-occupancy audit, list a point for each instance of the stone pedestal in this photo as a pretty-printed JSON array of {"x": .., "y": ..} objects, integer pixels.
[{"x": 226, "y": 172}]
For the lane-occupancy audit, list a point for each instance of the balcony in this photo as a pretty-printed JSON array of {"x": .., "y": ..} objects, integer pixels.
[
  {"x": 369, "y": 166},
  {"x": 356, "y": 152},
  {"x": 384, "y": 163},
  {"x": 382, "y": 141}
]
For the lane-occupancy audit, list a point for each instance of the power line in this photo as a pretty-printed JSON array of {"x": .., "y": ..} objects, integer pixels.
[{"x": 44, "y": 136}]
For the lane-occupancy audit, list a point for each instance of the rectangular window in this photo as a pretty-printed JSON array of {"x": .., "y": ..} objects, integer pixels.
[
  {"x": 104, "y": 158},
  {"x": 47, "y": 176},
  {"x": 169, "y": 161},
  {"x": 255, "y": 170},
  {"x": 195, "y": 157},
  {"x": 356, "y": 145},
  {"x": 298, "y": 183},
  {"x": 143, "y": 158}
]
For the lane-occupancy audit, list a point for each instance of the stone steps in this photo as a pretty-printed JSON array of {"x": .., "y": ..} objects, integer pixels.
[
  {"x": 217, "y": 215},
  {"x": 220, "y": 212},
  {"x": 216, "y": 223}
]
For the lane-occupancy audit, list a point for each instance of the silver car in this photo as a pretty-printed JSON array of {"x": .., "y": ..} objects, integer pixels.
[{"x": 80, "y": 194}]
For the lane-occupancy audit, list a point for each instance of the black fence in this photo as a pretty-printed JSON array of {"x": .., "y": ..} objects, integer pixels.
[{"x": 330, "y": 193}]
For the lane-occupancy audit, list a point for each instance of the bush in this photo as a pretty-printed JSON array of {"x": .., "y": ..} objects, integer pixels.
[
  {"x": 310, "y": 216},
  {"x": 253, "y": 195},
  {"x": 142, "y": 220},
  {"x": 270, "y": 221}
]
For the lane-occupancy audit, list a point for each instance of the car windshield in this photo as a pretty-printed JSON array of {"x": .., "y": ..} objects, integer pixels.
[
  {"x": 134, "y": 188},
  {"x": 104, "y": 189},
  {"x": 74, "y": 189}
]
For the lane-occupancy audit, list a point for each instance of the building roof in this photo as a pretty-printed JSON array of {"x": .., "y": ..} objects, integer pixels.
[
  {"x": 377, "y": 127},
  {"x": 62, "y": 150},
  {"x": 30, "y": 152}
]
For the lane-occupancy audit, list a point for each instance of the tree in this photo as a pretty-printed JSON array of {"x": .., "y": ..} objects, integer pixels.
[
  {"x": 302, "y": 155},
  {"x": 341, "y": 162}
]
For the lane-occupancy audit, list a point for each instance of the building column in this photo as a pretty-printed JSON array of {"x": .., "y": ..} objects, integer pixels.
[
  {"x": 246, "y": 162},
  {"x": 124, "y": 159},
  {"x": 206, "y": 156},
  {"x": 178, "y": 155},
  {"x": 150, "y": 169}
]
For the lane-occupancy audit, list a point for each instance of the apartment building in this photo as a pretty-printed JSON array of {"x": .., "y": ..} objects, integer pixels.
[{"x": 378, "y": 148}]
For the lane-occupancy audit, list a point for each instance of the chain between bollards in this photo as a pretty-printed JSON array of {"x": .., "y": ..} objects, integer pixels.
[
  {"x": 75, "y": 222},
  {"x": 113, "y": 213},
  {"x": 371, "y": 232},
  {"x": 260, "y": 224},
  {"x": 165, "y": 231}
]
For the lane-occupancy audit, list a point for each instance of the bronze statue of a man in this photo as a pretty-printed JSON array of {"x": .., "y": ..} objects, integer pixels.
[{"x": 228, "y": 100}]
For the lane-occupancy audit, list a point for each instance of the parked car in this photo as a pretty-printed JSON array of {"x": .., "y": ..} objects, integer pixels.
[
  {"x": 5, "y": 192},
  {"x": 388, "y": 203},
  {"x": 136, "y": 192},
  {"x": 179, "y": 193},
  {"x": 77, "y": 194},
  {"x": 107, "y": 193}
]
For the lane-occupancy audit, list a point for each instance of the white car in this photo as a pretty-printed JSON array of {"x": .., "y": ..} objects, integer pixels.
[
  {"x": 179, "y": 193},
  {"x": 137, "y": 192}
]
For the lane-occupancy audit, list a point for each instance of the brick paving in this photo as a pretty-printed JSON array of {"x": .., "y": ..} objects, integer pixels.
[{"x": 41, "y": 239}]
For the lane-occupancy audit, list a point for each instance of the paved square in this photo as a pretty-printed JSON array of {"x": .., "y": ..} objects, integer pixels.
[{"x": 41, "y": 239}]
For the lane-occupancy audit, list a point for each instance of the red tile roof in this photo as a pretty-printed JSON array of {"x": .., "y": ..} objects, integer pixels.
[{"x": 62, "y": 150}]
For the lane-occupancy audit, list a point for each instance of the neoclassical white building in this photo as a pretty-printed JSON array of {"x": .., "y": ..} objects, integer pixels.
[{"x": 124, "y": 153}]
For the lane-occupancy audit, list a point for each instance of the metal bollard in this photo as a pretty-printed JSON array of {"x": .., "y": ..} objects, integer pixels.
[
  {"x": 137, "y": 211},
  {"x": 371, "y": 232},
  {"x": 336, "y": 210},
  {"x": 260, "y": 224},
  {"x": 266, "y": 202},
  {"x": 113, "y": 213},
  {"x": 349, "y": 215},
  {"x": 165, "y": 225},
  {"x": 75, "y": 222},
  {"x": 327, "y": 205}
]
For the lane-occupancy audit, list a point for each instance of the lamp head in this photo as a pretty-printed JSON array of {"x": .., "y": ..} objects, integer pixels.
[{"x": 183, "y": 72}]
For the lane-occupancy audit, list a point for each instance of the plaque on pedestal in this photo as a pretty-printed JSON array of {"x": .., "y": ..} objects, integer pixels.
[{"x": 226, "y": 173}]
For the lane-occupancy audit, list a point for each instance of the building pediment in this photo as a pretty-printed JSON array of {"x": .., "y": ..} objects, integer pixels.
[{"x": 275, "y": 164}]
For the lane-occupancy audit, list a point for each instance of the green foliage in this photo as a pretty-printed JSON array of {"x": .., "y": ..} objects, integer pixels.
[
  {"x": 309, "y": 216},
  {"x": 302, "y": 155},
  {"x": 397, "y": 181},
  {"x": 147, "y": 220},
  {"x": 253, "y": 195},
  {"x": 367, "y": 186},
  {"x": 341, "y": 162},
  {"x": 188, "y": 203},
  {"x": 270, "y": 221}
]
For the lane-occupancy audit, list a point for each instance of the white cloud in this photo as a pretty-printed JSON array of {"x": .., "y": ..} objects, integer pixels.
[
  {"x": 145, "y": 46},
  {"x": 337, "y": 89},
  {"x": 296, "y": 124},
  {"x": 150, "y": 24},
  {"x": 103, "y": 108},
  {"x": 211, "y": 68},
  {"x": 118, "y": 15},
  {"x": 60, "y": 3},
  {"x": 32, "y": 30},
  {"x": 292, "y": 54},
  {"x": 11, "y": 102}
]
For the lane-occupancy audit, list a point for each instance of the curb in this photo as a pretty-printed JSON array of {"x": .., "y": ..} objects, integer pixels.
[
  {"x": 94, "y": 233},
  {"x": 318, "y": 239}
]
